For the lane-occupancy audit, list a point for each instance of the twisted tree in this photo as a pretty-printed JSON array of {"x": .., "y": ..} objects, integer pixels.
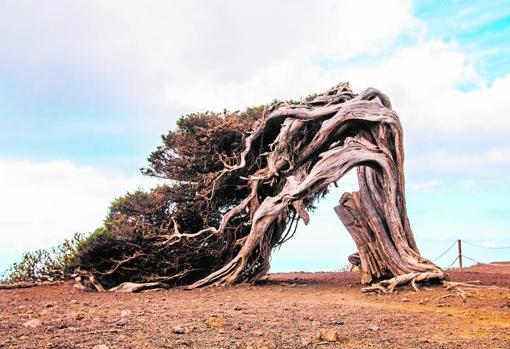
[{"x": 241, "y": 183}]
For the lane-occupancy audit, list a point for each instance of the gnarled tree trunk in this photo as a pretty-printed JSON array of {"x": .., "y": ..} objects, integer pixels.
[
  {"x": 292, "y": 155},
  {"x": 361, "y": 131}
]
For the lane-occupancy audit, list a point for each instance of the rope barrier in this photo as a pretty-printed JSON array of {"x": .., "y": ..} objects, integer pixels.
[
  {"x": 487, "y": 247},
  {"x": 448, "y": 249},
  {"x": 455, "y": 260},
  {"x": 469, "y": 258},
  {"x": 491, "y": 264}
]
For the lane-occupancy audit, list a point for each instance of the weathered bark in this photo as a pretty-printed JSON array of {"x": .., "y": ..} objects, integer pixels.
[
  {"x": 360, "y": 132},
  {"x": 299, "y": 150}
]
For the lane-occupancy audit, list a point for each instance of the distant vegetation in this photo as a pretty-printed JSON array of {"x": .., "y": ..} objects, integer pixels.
[
  {"x": 46, "y": 265},
  {"x": 137, "y": 223}
]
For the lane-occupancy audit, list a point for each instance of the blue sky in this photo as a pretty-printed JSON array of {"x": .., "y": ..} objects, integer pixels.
[{"x": 88, "y": 87}]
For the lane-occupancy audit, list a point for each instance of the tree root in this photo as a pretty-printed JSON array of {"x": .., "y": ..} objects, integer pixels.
[
  {"x": 388, "y": 286},
  {"x": 463, "y": 289},
  {"x": 460, "y": 289},
  {"x": 138, "y": 287},
  {"x": 86, "y": 281}
]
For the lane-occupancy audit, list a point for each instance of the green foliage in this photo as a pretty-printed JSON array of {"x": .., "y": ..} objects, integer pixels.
[
  {"x": 46, "y": 265},
  {"x": 346, "y": 267}
]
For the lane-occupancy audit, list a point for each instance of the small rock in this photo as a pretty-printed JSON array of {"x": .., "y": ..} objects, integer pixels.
[
  {"x": 215, "y": 322},
  {"x": 122, "y": 322},
  {"x": 185, "y": 342},
  {"x": 73, "y": 301},
  {"x": 328, "y": 336},
  {"x": 100, "y": 346},
  {"x": 406, "y": 300},
  {"x": 32, "y": 323},
  {"x": 125, "y": 313},
  {"x": 307, "y": 341},
  {"x": 62, "y": 324},
  {"x": 178, "y": 330},
  {"x": 237, "y": 307},
  {"x": 257, "y": 333},
  {"x": 374, "y": 328},
  {"x": 49, "y": 305},
  {"x": 221, "y": 330},
  {"x": 261, "y": 344}
]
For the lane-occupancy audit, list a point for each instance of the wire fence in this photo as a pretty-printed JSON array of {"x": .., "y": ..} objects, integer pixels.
[{"x": 460, "y": 255}]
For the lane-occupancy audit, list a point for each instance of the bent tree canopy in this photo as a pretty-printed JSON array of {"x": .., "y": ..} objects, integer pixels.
[{"x": 261, "y": 182}]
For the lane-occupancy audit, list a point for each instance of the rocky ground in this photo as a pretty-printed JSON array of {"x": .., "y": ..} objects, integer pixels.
[{"x": 294, "y": 310}]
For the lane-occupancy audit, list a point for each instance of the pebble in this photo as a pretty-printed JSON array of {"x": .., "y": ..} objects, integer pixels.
[
  {"x": 307, "y": 341},
  {"x": 328, "y": 336},
  {"x": 100, "y": 346},
  {"x": 374, "y": 328},
  {"x": 261, "y": 344},
  {"x": 32, "y": 323},
  {"x": 405, "y": 300},
  {"x": 122, "y": 322},
  {"x": 187, "y": 343},
  {"x": 178, "y": 330},
  {"x": 215, "y": 322}
]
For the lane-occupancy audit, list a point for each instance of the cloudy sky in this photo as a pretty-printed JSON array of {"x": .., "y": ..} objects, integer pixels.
[{"x": 88, "y": 86}]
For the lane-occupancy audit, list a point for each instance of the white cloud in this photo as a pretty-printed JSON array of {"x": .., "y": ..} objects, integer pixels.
[
  {"x": 485, "y": 163},
  {"x": 189, "y": 52},
  {"x": 467, "y": 182},
  {"x": 423, "y": 83},
  {"x": 424, "y": 185},
  {"x": 202, "y": 55},
  {"x": 45, "y": 202}
]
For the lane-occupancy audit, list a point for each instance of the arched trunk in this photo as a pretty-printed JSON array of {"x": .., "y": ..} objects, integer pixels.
[{"x": 293, "y": 153}]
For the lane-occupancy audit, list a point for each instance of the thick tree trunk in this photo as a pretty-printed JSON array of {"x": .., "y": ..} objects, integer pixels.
[
  {"x": 365, "y": 133},
  {"x": 296, "y": 151}
]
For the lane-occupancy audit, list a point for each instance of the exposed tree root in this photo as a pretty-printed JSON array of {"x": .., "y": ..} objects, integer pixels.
[
  {"x": 412, "y": 279},
  {"x": 464, "y": 289},
  {"x": 138, "y": 287},
  {"x": 461, "y": 289}
]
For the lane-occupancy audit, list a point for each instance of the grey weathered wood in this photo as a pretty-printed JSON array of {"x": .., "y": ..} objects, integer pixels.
[{"x": 356, "y": 131}]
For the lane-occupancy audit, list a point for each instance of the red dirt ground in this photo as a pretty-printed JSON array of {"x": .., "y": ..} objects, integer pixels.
[{"x": 287, "y": 311}]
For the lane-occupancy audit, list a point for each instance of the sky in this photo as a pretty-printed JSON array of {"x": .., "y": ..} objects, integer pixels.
[{"x": 87, "y": 87}]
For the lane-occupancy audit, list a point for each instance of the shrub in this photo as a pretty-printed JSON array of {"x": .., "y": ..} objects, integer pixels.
[{"x": 46, "y": 265}]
